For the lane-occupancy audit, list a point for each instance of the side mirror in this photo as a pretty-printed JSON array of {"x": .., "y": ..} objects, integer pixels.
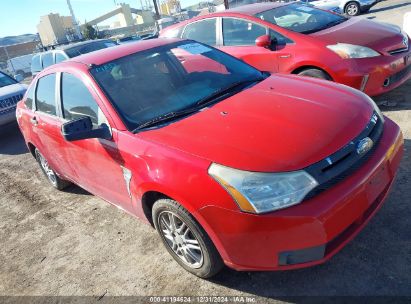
[
  {"x": 267, "y": 42},
  {"x": 82, "y": 128},
  {"x": 19, "y": 77}
]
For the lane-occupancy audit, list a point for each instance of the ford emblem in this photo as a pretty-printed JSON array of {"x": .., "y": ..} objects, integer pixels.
[{"x": 364, "y": 145}]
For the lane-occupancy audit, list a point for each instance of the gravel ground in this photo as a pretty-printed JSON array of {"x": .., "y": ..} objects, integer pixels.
[
  {"x": 72, "y": 243},
  {"x": 391, "y": 11}
]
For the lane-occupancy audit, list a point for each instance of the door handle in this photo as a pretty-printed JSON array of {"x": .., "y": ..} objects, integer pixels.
[
  {"x": 285, "y": 56},
  {"x": 34, "y": 121}
]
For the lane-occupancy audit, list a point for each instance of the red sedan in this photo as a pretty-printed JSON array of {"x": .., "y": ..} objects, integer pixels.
[
  {"x": 297, "y": 39},
  {"x": 231, "y": 165}
]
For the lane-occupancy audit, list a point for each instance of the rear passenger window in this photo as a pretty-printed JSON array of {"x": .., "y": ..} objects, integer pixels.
[
  {"x": 203, "y": 31},
  {"x": 47, "y": 60},
  {"x": 77, "y": 100},
  {"x": 46, "y": 94},
  {"x": 30, "y": 98}
]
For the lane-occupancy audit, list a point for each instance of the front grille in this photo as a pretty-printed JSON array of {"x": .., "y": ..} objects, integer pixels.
[
  {"x": 7, "y": 111},
  {"x": 400, "y": 75},
  {"x": 345, "y": 161},
  {"x": 10, "y": 102},
  {"x": 398, "y": 51}
]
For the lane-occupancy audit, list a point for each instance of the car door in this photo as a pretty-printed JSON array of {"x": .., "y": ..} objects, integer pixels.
[
  {"x": 97, "y": 162},
  {"x": 324, "y": 3},
  {"x": 46, "y": 125},
  {"x": 238, "y": 39}
]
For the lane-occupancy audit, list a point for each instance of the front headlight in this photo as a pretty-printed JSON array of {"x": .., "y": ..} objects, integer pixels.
[
  {"x": 345, "y": 50},
  {"x": 257, "y": 192},
  {"x": 405, "y": 36},
  {"x": 376, "y": 108}
]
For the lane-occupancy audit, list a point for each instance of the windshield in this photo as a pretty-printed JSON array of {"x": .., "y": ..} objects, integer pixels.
[
  {"x": 168, "y": 79},
  {"x": 301, "y": 18},
  {"x": 6, "y": 80},
  {"x": 89, "y": 47}
]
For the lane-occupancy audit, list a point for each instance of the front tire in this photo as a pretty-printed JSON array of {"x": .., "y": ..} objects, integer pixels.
[
  {"x": 185, "y": 239},
  {"x": 315, "y": 73},
  {"x": 51, "y": 176},
  {"x": 352, "y": 9}
]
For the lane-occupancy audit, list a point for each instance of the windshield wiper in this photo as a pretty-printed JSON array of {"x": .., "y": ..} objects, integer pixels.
[
  {"x": 166, "y": 117},
  {"x": 231, "y": 88},
  {"x": 198, "y": 105}
]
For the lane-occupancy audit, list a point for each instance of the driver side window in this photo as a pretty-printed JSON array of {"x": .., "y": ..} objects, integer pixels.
[
  {"x": 241, "y": 32},
  {"x": 77, "y": 101}
]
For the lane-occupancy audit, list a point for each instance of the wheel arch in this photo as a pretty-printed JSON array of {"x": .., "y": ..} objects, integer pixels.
[
  {"x": 307, "y": 67},
  {"x": 148, "y": 199},
  {"x": 147, "y": 202},
  {"x": 31, "y": 148}
]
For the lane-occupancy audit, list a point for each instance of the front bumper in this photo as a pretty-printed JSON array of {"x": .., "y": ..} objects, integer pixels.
[
  {"x": 7, "y": 116},
  {"x": 378, "y": 75},
  {"x": 366, "y": 5},
  {"x": 312, "y": 232}
]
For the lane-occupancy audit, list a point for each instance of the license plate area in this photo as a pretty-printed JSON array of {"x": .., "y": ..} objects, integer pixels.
[{"x": 378, "y": 183}]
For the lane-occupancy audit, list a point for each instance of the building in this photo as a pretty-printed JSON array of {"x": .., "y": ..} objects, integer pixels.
[
  {"x": 125, "y": 17},
  {"x": 170, "y": 7},
  {"x": 55, "y": 29}
]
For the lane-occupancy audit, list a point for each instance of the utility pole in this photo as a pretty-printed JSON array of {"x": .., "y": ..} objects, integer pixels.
[
  {"x": 75, "y": 24},
  {"x": 157, "y": 17}
]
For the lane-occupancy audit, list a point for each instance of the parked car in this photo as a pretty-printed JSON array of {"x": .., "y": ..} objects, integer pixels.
[
  {"x": 297, "y": 39},
  {"x": 149, "y": 36},
  {"x": 42, "y": 60},
  {"x": 348, "y": 7},
  {"x": 165, "y": 22},
  {"x": 230, "y": 165},
  {"x": 10, "y": 93},
  {"x": 128, "y": 39},
  {"x": 20, "y": 65}
]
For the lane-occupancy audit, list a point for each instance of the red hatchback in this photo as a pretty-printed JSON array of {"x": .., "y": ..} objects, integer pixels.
[
  {"x": 231, "y": 165},
  {"x": 297, "y": 39}
]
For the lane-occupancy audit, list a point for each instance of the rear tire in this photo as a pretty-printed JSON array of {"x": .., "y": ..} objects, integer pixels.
[
  {"x": 185, "y": 239},
  {"x": 315, "y": 73},
  {"x": 50, "y": 174},
  {"x": 352, "y": 9}
]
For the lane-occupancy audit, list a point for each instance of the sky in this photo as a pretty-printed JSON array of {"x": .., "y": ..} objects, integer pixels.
[{"x": 22, "y": 16}]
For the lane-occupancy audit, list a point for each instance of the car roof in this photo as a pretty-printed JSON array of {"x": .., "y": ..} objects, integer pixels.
[
  {"x": 106, "y": 55},
  {"x": 252, "y": 9}
]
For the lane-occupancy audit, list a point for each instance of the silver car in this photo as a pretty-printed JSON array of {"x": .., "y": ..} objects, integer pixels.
[
  {"x": 348, "y": 7},
  {"x": 11, "y": 92}
]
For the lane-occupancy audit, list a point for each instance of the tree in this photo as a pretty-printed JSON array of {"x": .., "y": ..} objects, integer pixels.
[{"x": 89, "y": 32}]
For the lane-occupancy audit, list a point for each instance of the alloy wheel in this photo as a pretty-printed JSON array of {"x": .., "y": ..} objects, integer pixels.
[
  {"x": 352, "y": 9},
  {"x": 46, "y": 168},
  {"x": 180, "y": 239}
]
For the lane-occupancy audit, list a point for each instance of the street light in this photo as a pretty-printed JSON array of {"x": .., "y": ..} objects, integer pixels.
[{"x": 76, "y": 26}]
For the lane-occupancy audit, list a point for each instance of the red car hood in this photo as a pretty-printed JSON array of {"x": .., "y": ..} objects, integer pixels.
[
  {"x": 281, "y": 124},
  {"x": 378, "y": 36}
]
